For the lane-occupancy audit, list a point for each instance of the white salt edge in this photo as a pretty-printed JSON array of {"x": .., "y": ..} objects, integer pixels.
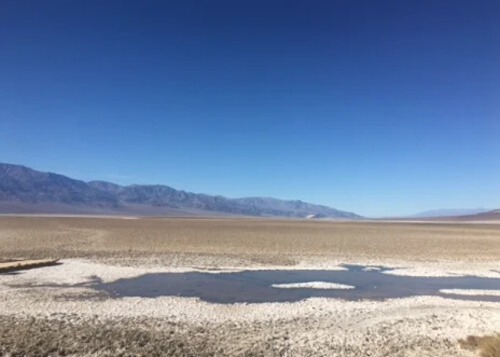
[
  {"x": 471, "y": 292},
  {"x": 313, "y": 285}
]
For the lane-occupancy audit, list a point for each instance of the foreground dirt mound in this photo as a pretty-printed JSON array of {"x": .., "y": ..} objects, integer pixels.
[
  {"x": 63, "y": 337},
  {"x": 69, "y": 335}
]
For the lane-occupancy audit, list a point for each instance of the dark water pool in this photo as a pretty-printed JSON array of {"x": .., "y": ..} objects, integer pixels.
[{"x": 256, "y": 286}]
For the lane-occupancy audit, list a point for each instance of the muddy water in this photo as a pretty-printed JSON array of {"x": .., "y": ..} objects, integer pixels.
[{"x": 256, "y": 286}]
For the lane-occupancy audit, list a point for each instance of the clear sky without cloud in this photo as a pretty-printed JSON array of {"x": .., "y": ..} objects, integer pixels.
[{"x": 378, "y": 107}]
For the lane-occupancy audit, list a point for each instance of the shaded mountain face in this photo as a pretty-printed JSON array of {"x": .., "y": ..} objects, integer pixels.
[
  {"x": 21, "y": 184},
  {"x": 23, "y": 187}
]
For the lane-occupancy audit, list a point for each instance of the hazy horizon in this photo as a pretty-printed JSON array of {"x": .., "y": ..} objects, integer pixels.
[{"x": 382, "y": 109}]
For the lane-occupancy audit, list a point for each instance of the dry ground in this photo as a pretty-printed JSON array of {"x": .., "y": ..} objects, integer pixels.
[
  {"x": 488, "y": 346},
  {"x": 44, "y": 321},
  {"x": 274, "y": 241}
]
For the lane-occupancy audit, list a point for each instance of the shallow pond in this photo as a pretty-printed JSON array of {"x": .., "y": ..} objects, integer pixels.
[{"x": 369, "y": 283}]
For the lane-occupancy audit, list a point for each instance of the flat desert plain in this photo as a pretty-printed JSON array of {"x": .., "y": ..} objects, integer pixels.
[{"x": 55, "y": 311}]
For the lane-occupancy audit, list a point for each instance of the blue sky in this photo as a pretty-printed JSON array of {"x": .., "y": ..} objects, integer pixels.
[{"x": 377, "y": 107}]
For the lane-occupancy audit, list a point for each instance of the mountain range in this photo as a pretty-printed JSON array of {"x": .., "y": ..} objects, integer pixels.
[
  {"x": 491, "y": 215},
  {"x": 24, "y": 190},
  {"x": 450, "y": 212}
]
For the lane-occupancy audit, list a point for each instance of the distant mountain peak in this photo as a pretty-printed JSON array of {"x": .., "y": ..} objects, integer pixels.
[{"x": 449, "y": 212}]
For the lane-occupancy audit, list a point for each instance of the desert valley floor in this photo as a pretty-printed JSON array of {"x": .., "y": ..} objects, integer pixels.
[{"x": 57, "y": 310}]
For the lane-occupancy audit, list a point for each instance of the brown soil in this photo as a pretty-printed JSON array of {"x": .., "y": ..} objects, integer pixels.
[
  {"x": 13, "y": 265},
  {"x": 488, "y": 346},
  {"x": 266, "y": 241}
]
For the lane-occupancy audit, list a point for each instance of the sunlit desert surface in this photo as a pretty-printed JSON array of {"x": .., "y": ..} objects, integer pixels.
[{"x": 56, "y": 310}]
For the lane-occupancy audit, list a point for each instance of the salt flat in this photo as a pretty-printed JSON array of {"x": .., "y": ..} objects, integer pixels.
[{"x": 82, "y": 321}]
